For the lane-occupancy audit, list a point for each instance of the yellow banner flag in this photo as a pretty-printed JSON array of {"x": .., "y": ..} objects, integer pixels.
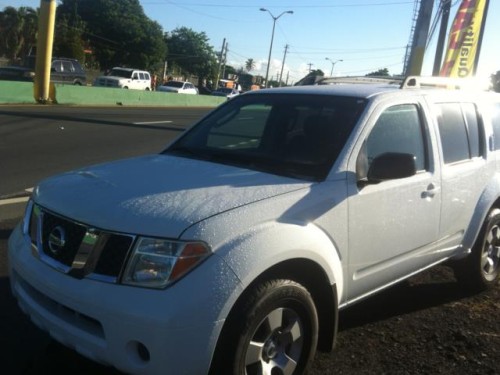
[{"x": 463, "y": 40}]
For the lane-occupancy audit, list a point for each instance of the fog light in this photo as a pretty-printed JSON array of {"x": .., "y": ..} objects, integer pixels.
[
  {"x": 138, "y": 353},
  {"x": 143, "y": 352}
]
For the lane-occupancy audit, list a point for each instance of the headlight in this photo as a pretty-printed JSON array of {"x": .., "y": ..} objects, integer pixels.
[
  {"x": 155, "y": 263},
  {"x": 27, "y": 218}
]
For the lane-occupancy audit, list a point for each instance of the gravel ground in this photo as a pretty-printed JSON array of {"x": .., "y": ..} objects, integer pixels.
[{"x": 426, "y": 325}]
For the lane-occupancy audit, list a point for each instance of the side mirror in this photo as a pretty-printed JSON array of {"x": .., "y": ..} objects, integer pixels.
[{"x": 391, "y": 166}]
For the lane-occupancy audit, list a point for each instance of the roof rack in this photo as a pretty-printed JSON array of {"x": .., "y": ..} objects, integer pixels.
[
  {"x": 359, "y": 80},
  {"x": 417, "y": 82}
]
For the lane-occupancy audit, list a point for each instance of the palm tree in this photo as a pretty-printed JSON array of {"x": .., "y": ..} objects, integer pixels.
[
  {"x": 18, "y": 28},
  {"x": 250, "y": 65}
]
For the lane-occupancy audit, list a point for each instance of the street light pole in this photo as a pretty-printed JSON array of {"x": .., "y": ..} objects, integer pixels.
[
  {"x": 333, "y": 64},
  {"x": 272, "y": 37}
]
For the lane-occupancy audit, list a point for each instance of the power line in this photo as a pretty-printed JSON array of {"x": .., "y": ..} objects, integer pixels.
[{"x": 345, "y": 5}]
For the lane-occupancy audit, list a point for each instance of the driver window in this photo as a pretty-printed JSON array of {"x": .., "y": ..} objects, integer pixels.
[{"x": 398, "y": 129}]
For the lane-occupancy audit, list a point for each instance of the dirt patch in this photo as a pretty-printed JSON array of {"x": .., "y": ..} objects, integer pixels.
[{"x": 427, "y": 325}]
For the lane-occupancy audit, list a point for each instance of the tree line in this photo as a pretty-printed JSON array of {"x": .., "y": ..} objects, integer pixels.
[{"x": 108, "y": 33}]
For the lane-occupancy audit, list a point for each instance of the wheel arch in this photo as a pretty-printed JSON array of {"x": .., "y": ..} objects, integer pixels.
[
  {"x": 489, "y": 199},
  {"x": 315, "y": 280},
  {"x": 310, "y": 275}
]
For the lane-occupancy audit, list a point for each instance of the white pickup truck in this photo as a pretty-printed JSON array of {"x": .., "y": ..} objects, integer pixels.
[
  {"x": 125, "y": 78},
  {"x": 232, "y": 251}
]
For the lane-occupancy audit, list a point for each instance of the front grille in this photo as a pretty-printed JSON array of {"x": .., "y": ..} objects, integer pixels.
[
  {"x": 113, "y": 255},
  {"x": 73, "y": 238},
  {"x": 76, "y": 248}
]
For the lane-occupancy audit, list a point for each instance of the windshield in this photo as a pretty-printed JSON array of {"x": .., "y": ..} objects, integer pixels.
[
  {"x": 288, "y": 134},
  {"x": 174, "y": 84},
  {"x": 121, "y": 73}
]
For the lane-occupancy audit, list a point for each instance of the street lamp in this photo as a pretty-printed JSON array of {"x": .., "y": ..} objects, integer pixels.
[
  {"x": 272, "y": 36},
  {"x": 333, "y": 64}
]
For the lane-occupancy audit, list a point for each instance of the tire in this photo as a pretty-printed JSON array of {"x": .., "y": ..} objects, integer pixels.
[
  {"x": 274, "y": 331},
  {"x": 481, "y": 269}
]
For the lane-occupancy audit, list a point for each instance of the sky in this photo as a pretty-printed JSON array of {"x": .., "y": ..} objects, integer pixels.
[{"x": 358, "y": 36}]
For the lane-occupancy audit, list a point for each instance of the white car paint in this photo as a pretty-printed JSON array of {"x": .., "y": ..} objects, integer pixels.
[{"x": 358, "y": 236}]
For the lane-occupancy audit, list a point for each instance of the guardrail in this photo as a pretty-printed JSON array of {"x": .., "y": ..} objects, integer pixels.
[{"x": 12, "y": 92}]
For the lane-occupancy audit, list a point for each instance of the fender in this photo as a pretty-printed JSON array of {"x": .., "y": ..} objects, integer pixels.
[
  {"x": 252, "y": 253},
  {"x": 486, "y": 201},
  {"x": 258, "y": 249}
]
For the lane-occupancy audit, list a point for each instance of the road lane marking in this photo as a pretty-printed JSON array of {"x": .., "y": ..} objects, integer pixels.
[
  {"x": 5, "y": 202},
  {"x": 152, "y": 122}
]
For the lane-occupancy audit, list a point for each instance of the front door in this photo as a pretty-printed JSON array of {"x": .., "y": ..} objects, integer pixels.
[{"x": 394, "y": 224}]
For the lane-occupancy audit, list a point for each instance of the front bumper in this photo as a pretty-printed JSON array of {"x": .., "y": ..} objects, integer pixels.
[{"x": 137, "y": 330}]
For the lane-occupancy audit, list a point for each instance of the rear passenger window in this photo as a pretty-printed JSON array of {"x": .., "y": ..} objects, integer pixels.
[
  {"x": 495, "y": 121},
  {"x": 66, "y": 66},
  {"x": 459, "y": 132}
]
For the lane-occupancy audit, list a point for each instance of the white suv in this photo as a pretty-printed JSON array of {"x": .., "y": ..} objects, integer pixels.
[
  {"x": 261, "y": 222},
  {"x": 125, "y": 78}
]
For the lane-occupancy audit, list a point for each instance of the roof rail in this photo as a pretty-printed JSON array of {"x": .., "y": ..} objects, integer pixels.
[
  {"x": 417, "y": 82},
  {"x": 356, "y": 79}
]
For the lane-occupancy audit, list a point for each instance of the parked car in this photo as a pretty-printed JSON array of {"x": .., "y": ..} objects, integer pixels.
[
  {"x": 70, "y": 71},
  {"x": 125, "y": 78},
  {"x": 16, "y": 73},
  {"x": 63, "y": 70},
  {"x": 232, "y": 251},
  {"x": 179, "y": 87},
  {"x": 226, "y": 91}
]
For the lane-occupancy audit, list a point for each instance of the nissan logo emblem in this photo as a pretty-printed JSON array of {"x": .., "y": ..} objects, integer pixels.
[{"x": 57, "y": 240}]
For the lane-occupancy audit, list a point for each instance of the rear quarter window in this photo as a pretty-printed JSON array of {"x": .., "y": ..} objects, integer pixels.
[{"x": 495, "y": 122}]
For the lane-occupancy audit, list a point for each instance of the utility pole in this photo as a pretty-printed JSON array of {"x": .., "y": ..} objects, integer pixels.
[
  {"x": 445, "y": 6},
  {"x": 420, "y": 38},
  {"x": 224, "y": 63},
  {"x": 310, "y": 65},
  {"x": 220, "y": 61},
  {"x": 46, "y": 26},
  {"x": 282, "y": 65}
]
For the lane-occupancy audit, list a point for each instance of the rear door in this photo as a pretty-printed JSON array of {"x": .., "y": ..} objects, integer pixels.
[
  {"x": 465, "y": 167},
  {"x": 393, "y": 225}
]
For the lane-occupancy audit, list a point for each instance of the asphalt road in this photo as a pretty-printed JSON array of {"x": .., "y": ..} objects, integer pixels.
[{"x": 39, "y": 141}]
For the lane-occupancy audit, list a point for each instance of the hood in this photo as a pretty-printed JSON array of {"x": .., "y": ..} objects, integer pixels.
[
  {"x": 168, "y": 89},
  {"x": 156, "y": 195},
  {"x": 113, "y": 78}
]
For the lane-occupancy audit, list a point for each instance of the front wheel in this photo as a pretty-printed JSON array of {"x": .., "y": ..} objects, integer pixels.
[
  {"x": 481, "y": 269},
  {"x": 273, "y": 332}
]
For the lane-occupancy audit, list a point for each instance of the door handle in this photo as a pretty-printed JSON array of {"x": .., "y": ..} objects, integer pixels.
[{"x": 431, "y": 191}]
